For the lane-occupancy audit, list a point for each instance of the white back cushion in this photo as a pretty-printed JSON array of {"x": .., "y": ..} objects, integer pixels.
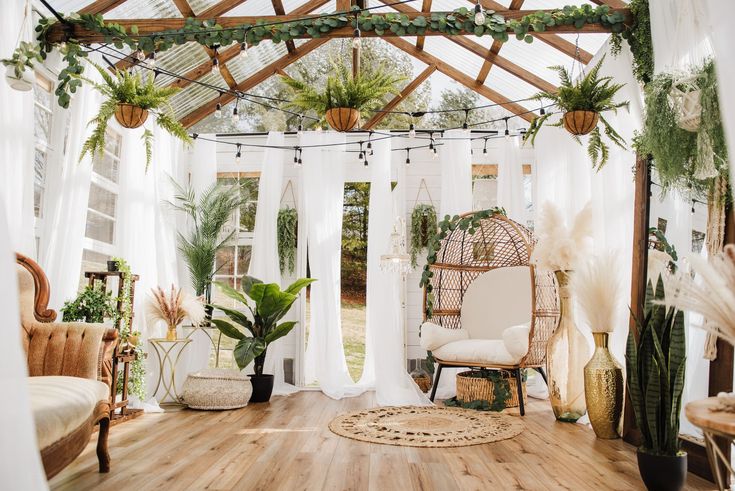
[{"x": 496, "y": 300}]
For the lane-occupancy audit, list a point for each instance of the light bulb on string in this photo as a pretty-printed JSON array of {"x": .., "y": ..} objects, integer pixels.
[
  {"x": 356, "y": 42},
  {"x": 299, "y": 163},
  {"x": 542, "y": 111},
  {"x": 484, "y": 148},
  {"x": 412, "y": 131},
  {"x": 435, "y": 155},
  {"x": 295, "y": 156},
  {"x": 319, "y": 127},
  {"x": 507, "y": 131},
  {"x": 235, "y": 115},
  {"x": 369, "y": 143},
  {"x": 479, "y": 14},
  {"x": 465, "y": 125},
  {"x": 152, "y": 60},
  {"x": 361, "y": 155},
  {"x": 431, "y": 140},
  {"x": 218, "y": 111},
  {"x": 243, "y": 50},
  {"x": 238, "y": 155},
  {"x": 215, "y": 63},
  {"x": 408, "y": 156},
  {"x": 300, "y": 129},
  {"x": 140, "y": 55}
]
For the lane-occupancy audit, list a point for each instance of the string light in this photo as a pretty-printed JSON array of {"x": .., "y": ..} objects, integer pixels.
[
  {"x": 356, "y": 35},
  {"x": 507, "y": 131},
  {"x": 218, "y": 107},
  {"x": 215, "y": 63},
  {"x": 479, "y": 14},
  {"x": 318, "y": 127},
  {"x": 542, "y": 111},
  {"x": 361, "y": 156},
  {"x": 140, "y": 55},
  {"x": 243, "y": 50},
  {"x": 408, "y": 156},
  {"x": 299, "y": 163},
  {"x": 238, "y": 155},
  {"x": 300, "y": 129},
  {"x": 484, "y": 148},
  {"x": 235, "y": 113},
  {"x": 295, "y": 156},
  {"x": 466, "y": 117},
  {"x": 152, "y": 60},
  {"x": 412, "y": 131},
  {"x": 435, "y": 155},
  {"x": 369, "y": 143}
]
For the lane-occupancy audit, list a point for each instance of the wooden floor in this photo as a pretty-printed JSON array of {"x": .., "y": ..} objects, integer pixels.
[{"x": 286, "y": 444}]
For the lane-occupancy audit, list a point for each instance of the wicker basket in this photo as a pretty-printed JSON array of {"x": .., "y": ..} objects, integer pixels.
[
  {"x": 472, "y": 388},
  {"x": 423, "y": 380},
  {"x": 130, "y": 116},
  {"x": 342, "y": 118},
  {"x": 580, "y": 122},
  {"x": 216, "y": 389}
]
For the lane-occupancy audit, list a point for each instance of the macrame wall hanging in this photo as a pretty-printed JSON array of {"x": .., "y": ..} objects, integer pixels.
[{"x": 714, "y": 242}]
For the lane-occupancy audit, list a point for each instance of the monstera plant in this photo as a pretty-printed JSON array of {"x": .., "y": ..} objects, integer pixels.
[{"x": 267, "y": 305}]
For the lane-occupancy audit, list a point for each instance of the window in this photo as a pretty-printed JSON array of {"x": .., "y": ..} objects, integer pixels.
[
  {"x": 233, "y": 260},
  {"x": 485, "y": 188},
  {"x": 42, "y": 98}
]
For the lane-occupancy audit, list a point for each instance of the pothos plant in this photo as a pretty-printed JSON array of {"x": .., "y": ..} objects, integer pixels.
[
  {"x": 125, "y": 87},
  {"x": 92, "y": 304},
  {"x": 589, "y": 93},
  {"x": 423, "y": 228},
  {"x": 286, "y": 231},
  {"x": 136, "y": 380}
]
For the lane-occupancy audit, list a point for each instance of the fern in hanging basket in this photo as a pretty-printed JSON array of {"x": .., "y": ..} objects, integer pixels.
[
  {"x": 423, "y": 228},
  {"x": 129, "y": 98},
  {"x": 583, "y": 101},
  {"x": 287, "y": 226}
]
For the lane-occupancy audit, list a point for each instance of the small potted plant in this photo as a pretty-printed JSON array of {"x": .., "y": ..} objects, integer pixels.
[
  {"x": 93, "y": 304},
  {"x": 583, "y": 101},
  {"x": 267, "y": 305},
  {"x": 173, "y": 307},
  {"x": 655, "y": 384},
  {"x": 344, "y": 96},
  {"x": 129, "y": 98},
  {"x": 15, "y": 67}
]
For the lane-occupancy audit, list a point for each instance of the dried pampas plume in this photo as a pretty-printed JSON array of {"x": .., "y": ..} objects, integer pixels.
[
  {"x": 559, "y": 247},
  {"x": 173, "y": 307},
  {"x": 711, "y": 292},
  {"x": 597, "y": 286}
]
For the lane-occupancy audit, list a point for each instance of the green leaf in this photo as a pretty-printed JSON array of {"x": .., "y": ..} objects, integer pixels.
[
  {"x": 247, "y": 350},
  {"x": 228, "y": 329},
  {"x": 231, "y": 292},
  {"x": 247, "y": 284},
  {"x": 297, "y": 285},
  {"x": 280, "y": 331},
  {"x": 236, "y": 316}
]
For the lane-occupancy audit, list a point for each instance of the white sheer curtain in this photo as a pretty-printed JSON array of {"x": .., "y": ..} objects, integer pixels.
[
  {"x": 385, "y": 359},
  {"x": 16, "y": 134},
  {"x": 264, "y": 258},
  {"x": 455, "y": 159},
  {"x": 20, "y": 460},
  {"x": 61, "y": 246},
  {"x": 680, "y": 34},
  {"x": 323, "y": 177},
  {"x": 510, "y": 180}
]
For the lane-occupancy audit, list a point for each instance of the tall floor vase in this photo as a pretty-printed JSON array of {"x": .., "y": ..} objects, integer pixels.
[
  {"x": 566, "y": 355},
  {"x": 603, "y": 389}
]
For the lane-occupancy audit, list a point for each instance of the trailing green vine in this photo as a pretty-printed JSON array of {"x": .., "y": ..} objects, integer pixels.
[
  {"x": 286, "y": 230},
  {"x": 92, "y": 304},
  {"x": 136, "y": 380},
  {"x": 423, "y": 227},
  {"x": 210, "y": 34},
  {"x": 469, "y": 222},
  {"x": 638, "y": 36}
]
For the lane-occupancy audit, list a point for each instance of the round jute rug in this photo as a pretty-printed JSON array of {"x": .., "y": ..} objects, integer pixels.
[{"x": 417, "y": 426}]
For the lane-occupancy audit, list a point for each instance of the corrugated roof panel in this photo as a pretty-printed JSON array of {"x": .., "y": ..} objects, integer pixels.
[
  {"x": 258, "y": 57},
  {"x": 196, "y": 95},
  {"x": 536, "y": 57},
  {"x": 179, "y": 60},
  {"x": 290, "y": 5},
  {"x": 144, "y": 9},
  {"x": 253, "y": 7},
  {"x": 511, "y": 87},
  {"x": 460, "y": 58}
]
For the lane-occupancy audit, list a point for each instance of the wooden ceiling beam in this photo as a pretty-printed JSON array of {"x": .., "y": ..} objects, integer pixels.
[
  {"x": 425, "y": 8},
  {"x": 461, "y": 77},
  {"x": 309, "y": 7},
  {"x": 250, "y": 82},
  {"x": 101, "y": 6},
  {"x": 153, "y": 26},
  {"x": 184, "y": 7},
  {"x": 616, "y": 4},
  {"x": 220, "y": 8},
  {"x": 279, "y": 10},
  {"x": 405, "y": 92},
  {"x": 495, "y": 48}
]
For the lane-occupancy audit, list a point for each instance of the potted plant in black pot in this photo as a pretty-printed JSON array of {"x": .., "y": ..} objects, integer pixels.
[
  {"x": 656, "y": 364},
  {"x": 267, "y": 305}
]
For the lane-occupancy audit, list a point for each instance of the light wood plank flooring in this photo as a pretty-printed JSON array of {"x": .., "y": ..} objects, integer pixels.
[{"x": 286, "y": 445}]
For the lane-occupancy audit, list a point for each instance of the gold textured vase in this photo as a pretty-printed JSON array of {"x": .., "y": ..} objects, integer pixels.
[
  {"x": 603, "y": 389},
  {"x": 171, "y": 333},
  {"x": 566, "y": 354}
]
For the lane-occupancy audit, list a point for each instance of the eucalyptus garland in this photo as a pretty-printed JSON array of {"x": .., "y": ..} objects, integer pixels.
[
  {"x": 469, "y": 222},
  {"x": 136, "y": 380},
  {"x": 208, "y": 33},
  {"x": 286, "y": 230},
  {"x": 423, "y": 227}
]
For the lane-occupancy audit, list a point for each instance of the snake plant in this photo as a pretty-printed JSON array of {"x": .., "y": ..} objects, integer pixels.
[{"x": 656, "y": 363}]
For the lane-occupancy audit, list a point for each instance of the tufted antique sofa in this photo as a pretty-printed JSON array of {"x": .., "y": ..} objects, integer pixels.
[{"x": 70, "y": 368}]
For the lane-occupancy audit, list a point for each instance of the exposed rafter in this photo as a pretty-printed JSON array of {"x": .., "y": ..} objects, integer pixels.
[
  {"x": 461, "y": 77},
  {"x": 425, "y": 8},
  {"x": 495, "y": 49},
  {"x": 486, "y": 54},
  {"x": 405, "y": 92},
  {"x": 250, "y": 82},
  {"x": 101, "y": 6},
  {"x": 279, "y": 10},
  {"x": 184, "y": 7},
  {"x": 220, "y": 8}
]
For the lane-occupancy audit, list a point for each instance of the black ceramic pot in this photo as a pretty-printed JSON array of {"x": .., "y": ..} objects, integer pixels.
[
  {"x": 662, "y": 472},
  {"x": 262, "y": 388},
  {"x": 112, "y": 266}
]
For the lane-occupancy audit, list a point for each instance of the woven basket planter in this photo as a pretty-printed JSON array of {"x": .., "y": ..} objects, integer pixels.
[
  {"x": 580, "y": 122},
  {"x": 216, "y": 389},
  {"x": 342, "y": 118},
  {"x": 130, "y": 116},
  {"x": 423, "y": 380},
  {"x": 472, "y": 388}
]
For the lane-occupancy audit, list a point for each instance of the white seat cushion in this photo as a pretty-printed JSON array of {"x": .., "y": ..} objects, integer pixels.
[
  {"x": 60, "y": 405},
  {"x": 480, "y": 351},
  {"x": 434, "y": 336}
]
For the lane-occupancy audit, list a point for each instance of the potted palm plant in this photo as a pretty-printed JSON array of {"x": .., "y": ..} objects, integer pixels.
[
  {"x": 656, "y": 364},
  {"x": 267, "y": 305},
  {"x": 129, "y": 98},
  {"x": 344, "y": 96},
  {"x": 583, "y": 101}
]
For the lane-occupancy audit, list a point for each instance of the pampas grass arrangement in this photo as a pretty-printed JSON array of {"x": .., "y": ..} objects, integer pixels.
[
  {"x": 597, "y": 285},
  {"x": 711, "y": 292},
  {"x": 173, "y": 307},
  {"x": 559, "y": 248}
]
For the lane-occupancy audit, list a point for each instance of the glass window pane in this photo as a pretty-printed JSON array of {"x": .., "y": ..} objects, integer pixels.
[
  {"x": 92, "y": 261},
  {"x": 106, "y": 166},
  {"x": 100, "y": 228},
  {"x": 225, "y": 262},
  {"x": 220, "y": 298},
  {"x": 112, "y": 142},
  {"x": 243, "y": 259},
  {"x": 102, "y": 200},
  {"x": 39, "y": 180},
  {"x": 42, "y": 126}
]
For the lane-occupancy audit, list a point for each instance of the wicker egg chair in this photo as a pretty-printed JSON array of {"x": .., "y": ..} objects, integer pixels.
[{"x": 462, "y": 257}]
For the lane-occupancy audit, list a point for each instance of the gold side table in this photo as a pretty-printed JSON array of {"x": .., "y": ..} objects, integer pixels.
[
  {"x": 168, "y": 357},
  {"x": 713, "y": 423}
]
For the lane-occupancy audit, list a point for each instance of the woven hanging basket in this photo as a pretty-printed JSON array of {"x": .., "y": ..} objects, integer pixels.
[
  {"x": 130, "y": 116},
  {"x": 342, "y": 118},
  {"x": 472, "y": 388},
  {"x": 685, "y": 98},
  {"x": 580, "y": 122}
]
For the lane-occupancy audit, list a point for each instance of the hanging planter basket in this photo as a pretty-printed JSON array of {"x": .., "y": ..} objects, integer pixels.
[
  {"x": 685, "y": 98},
  {"x": 580, "y": 122},
  {"x": 342, "y": 118},
  {"x": 130, "y": 116},
  {"x": 24, "y": 83}
]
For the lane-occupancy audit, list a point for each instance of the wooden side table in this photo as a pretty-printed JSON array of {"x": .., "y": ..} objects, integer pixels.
[
  {"x": 713, "y": 424},
  {"x": 168, "y": 357}
]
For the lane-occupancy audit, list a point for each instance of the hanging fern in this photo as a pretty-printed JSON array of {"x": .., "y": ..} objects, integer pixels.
[
  {"x": 286, "y": 231},
  {"x": 423, "y": 227}
]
